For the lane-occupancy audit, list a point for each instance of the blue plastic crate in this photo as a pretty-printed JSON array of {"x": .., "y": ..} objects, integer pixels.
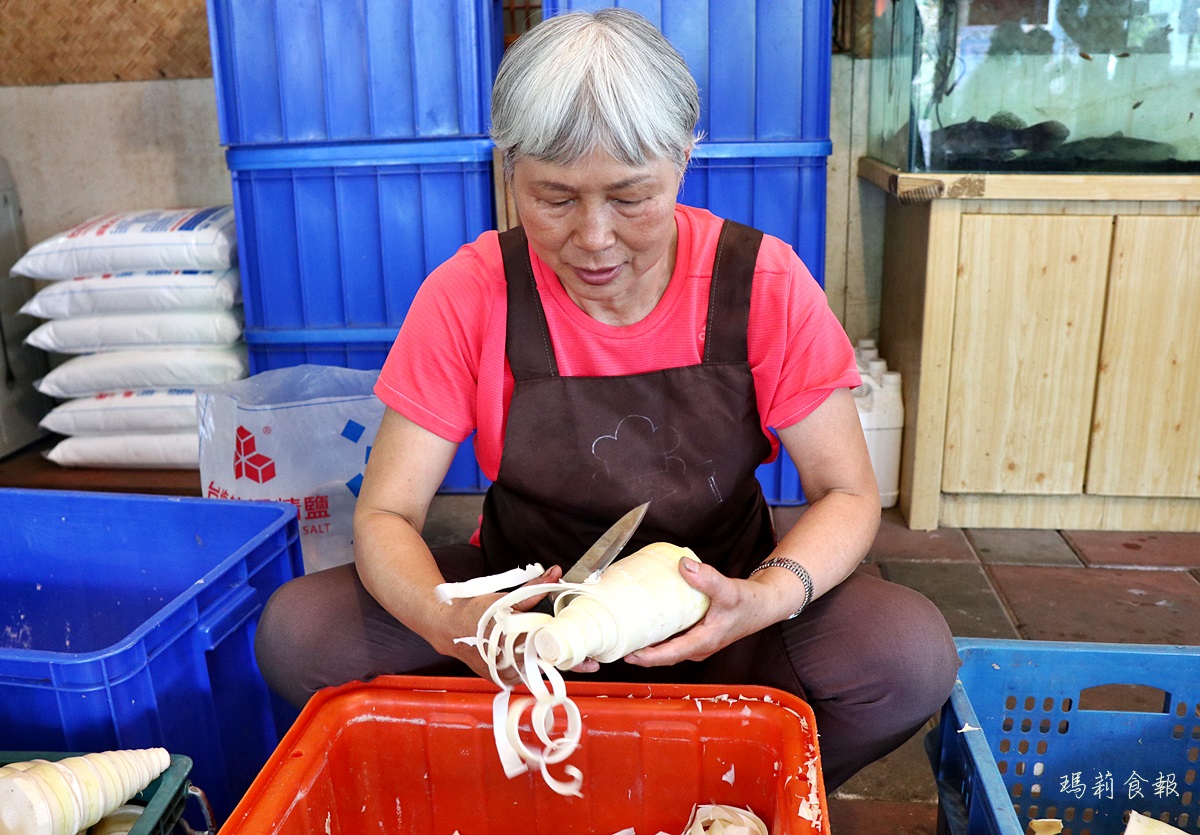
[
  {"x": 344, "y": 70},
  {"x": 762, "y": 65},
  {"x": 341, "y": 236},
  {"x": 778, "y": 187},
  {"x": 1080, "y": 732},
  {"x": 129, "y": 622}
]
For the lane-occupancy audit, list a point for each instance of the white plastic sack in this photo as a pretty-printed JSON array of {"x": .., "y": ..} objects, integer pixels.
[
  {"x": 135, "y": 450},
  {"x": 136, "y": 292},
  {"x": 90, "y": 374},
  {"x": 116, "y": 331},
  {"x": 154, "y": 239},
  {"x": 299, "y": 435},
  {"x": 110, "y": 412}
]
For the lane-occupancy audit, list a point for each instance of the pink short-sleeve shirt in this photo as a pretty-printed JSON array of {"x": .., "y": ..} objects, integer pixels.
[{"x": 447, "y": 370}]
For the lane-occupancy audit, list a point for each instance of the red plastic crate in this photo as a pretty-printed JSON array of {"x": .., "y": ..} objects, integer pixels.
[{"x": 417, "y": 755}]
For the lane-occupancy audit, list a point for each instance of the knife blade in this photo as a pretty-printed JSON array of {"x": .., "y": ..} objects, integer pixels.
[{"x": 607, "y": 547}]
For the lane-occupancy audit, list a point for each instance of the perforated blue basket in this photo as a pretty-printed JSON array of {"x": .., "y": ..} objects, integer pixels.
[{"x": 1080, "y": 732}]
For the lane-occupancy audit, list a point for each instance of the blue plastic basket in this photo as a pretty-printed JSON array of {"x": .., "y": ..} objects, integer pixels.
[
  {"x": 778, "y": 187},
  {"x": 1080, "y": 732},
  {"x": 341, "y": 236},
  {"x": 129, "y": 622},
  {"x": 344, "y": 70},
  {"x": 762, "y": 65}
]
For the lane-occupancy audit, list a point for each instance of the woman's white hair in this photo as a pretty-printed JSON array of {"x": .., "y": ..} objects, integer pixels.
[{"x": 584, "y": 80}]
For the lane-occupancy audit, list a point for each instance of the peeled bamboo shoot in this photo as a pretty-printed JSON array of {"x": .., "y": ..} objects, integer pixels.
[
  {"x": 64, "y": 797},
  {"x": 638, "y": 601}
]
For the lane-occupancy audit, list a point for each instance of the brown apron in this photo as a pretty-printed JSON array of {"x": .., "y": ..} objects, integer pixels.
[{"x": 579, "y": 452}]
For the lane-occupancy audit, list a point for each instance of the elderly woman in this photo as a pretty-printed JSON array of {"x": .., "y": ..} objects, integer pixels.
[{"x": 619, "y": 348}]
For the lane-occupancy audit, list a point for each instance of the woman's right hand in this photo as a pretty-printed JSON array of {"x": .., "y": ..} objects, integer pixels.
[{"x": 461, "y": 620}]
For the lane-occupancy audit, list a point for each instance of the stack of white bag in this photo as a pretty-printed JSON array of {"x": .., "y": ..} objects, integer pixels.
[{"x": 147, "y": 307}]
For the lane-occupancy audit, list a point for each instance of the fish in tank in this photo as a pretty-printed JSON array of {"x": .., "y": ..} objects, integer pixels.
[{"x": 1058, "y": 86}]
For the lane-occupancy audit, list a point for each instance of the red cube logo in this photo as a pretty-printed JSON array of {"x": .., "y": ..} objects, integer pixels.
[{"x": 247, "y": 462}]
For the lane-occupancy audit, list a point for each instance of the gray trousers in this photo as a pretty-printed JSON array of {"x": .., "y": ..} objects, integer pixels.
[{"x": 873, "y": 659}]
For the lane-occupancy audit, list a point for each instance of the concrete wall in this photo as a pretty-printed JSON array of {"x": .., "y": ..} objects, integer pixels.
[{"x": 79, "y": 150}]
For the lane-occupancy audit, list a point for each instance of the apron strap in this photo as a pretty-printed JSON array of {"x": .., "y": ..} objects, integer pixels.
[
  {"x": 527, "y": 338},
  {"x": 729, "y": 294}
]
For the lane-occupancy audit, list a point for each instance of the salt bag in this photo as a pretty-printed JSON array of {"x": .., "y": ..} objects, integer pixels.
[
  {"x": 153, "y": 239},
  {"x": 300, "y": 435}
]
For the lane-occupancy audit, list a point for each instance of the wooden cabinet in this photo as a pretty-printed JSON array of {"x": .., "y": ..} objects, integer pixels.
[{"x": 1048, "y": 332}]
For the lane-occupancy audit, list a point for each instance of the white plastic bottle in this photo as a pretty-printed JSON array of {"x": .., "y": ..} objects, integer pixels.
[
  {"x": 864, "y": 353},
  {"x": 881, "y": 412}
]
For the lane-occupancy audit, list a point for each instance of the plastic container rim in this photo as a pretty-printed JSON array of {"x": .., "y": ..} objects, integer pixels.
[
  {"x": 385, "y": 152},
  {"x": 318, "y": 336},
  {"x": 1016, "y": 645},
  {"x": 763, "y": 149},
  {"x": 286, "y": 511},
  {"x": 417, "y": 151}
]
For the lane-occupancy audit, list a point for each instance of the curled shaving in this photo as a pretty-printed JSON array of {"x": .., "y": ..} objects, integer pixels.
[
  {"x": 508, "y": 641},
  {"x": 504, "y": 648}
]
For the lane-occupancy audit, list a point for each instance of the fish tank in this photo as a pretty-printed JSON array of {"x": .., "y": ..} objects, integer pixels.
[{"x": 1036, "y": 86}]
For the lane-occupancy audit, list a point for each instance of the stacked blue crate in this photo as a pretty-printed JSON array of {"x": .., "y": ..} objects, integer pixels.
[
  {"x": 762, "y": 67},
  {"x": 357, "y": 145}
]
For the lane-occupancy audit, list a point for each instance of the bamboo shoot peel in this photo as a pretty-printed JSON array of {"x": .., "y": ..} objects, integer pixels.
[{"x": 638, "y": 601}]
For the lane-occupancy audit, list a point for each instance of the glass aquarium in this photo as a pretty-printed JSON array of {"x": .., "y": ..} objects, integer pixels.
[{"x": 1035, "y": 86}]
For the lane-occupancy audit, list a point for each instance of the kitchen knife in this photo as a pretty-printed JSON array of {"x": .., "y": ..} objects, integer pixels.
[{"x": 607, "y": 547}]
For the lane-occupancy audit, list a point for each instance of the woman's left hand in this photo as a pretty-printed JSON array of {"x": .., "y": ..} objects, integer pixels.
[{"x": 737, "y": 608}]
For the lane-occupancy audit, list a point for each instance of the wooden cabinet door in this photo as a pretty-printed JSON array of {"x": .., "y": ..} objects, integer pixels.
[
  {"x": 1029, "y": 302},
  {"x": 1146, "y": 435}
]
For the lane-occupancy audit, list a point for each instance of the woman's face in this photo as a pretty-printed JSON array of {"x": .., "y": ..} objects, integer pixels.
[{"x": 607, "y": 229}]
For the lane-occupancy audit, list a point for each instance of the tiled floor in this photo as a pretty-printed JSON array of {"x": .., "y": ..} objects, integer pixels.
[{"x": 1022, "y": 584}]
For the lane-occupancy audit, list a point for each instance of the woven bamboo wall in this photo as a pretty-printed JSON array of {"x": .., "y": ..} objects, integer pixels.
[{"x": 68, "y": 41}]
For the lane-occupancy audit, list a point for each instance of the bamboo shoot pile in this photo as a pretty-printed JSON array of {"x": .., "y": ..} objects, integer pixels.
[
  {"x": 43, "y": 797},
  {"x": 638, "y": 601}
]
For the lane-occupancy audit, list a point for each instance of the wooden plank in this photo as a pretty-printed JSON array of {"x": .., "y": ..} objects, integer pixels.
[
  {"x": 1146, "y": 432},
  {"x": 977, "y": 186},
  {"x": 864, "y": 223},
  {"x": 28, "y": 469},
  {"x": 916, "y": 316},
  {"x": 1027, "y": 321},
  {"x": 838, "y": 179},
  {"x": 1083, "y": 512}
]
